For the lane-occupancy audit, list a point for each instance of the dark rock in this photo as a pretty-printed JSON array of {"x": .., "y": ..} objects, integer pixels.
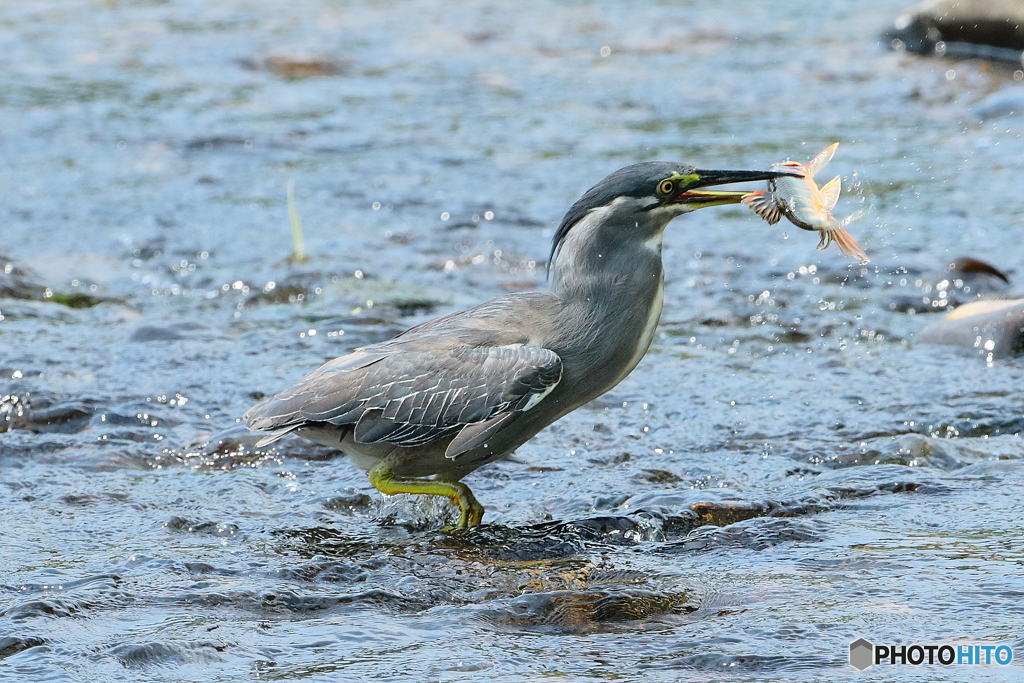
[
  {"x": 990, "y": 29},
  {"x": 18, "y": 283},
  {"x": 962, "y": 281},
  {"x": 293, "y": 67},
  {"x": 76, "y": 300},
  {"x": 43, "y": 413},
  {"x": 207, "y": 528},
  {"x": 204, "y": 143},
  {"x": 757, "y": 534},
  {"x": 231, "y": 440},
  {"x": 992, "y": 328},
  {"x": 150, "y": 333},
  {"x": 1006, "y": 102},
  {"x": 352, "y": 500},
  {"x": 133, "y": 655},
  {"x": 10, "y": 645},
  {"x": 592, "y": 610}
]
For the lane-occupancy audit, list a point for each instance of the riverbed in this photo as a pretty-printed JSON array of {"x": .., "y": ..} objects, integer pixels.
[{"x": 784, "y": 473}]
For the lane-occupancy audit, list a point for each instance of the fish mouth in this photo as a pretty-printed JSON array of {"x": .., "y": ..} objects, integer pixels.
[{"x": 698, "y": 198}]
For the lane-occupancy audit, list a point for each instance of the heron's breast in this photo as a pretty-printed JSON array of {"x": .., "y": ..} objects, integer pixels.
[{"x": 644, "y": 327}]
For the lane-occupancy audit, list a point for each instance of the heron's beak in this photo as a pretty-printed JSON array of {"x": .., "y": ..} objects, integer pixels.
[{"x": 699, "y": 198}]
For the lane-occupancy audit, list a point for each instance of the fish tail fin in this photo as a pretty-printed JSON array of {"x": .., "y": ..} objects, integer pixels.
[
  {"x": 830, "y": 193},
  {"x": 821, "y": 161},
  {"x": 763, "y": 205},
  {"x": 849, "y": 246}
]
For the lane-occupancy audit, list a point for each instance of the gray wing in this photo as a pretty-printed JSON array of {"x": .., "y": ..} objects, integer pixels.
[{"x": 410, "y": 397}]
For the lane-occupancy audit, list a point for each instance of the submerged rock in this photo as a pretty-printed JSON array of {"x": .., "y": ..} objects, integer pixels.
[
  {"x": 990, "y": 29},
  {"x": 1007, "y": 102},
  {"x": 43, "y": 413},
  {"x": 991, "y": 328},
  {"x": 964, "y": 280},
  {"x": 568, "y": 611},
  {"x": 17, "y": 282},
  {"x": 294, "y": 67},
  {"x": 153, "y": 333}
]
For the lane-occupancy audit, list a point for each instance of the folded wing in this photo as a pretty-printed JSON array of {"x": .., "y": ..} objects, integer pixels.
[{"x": 410, "y": 397}]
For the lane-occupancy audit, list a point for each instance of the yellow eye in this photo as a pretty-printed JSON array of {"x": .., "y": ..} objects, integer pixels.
[{"x": 666, "y": 186}]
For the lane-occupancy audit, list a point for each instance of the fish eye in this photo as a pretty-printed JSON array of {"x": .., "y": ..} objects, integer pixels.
[{"x": 666, "y": 187}]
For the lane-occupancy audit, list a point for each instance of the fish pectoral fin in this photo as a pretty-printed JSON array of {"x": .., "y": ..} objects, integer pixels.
[
  {"x": 830, "y": 193},
  {"x": 763, "y": 205},
  {"x": 821, "y": 161},
  {"x": 477, "y": 434}
]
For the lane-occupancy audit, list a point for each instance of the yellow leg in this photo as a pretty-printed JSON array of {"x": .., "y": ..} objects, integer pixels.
[{"x": 457, "y": 492}]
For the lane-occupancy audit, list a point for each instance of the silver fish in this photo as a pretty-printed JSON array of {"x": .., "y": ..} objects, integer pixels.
[{"x": 805, "y": 204}]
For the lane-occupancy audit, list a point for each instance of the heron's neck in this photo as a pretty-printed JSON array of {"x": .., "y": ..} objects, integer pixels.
[
  {"x": 612, "y": 287},
  {"x": 606, "y": 263}
]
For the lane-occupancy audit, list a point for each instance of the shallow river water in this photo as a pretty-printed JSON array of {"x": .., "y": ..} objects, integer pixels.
[{"x": 784, "y": 473}]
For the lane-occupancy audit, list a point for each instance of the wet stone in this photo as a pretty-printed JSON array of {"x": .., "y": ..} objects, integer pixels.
[
  {"x": 350, "y": 501},
  {"x": 393, "y": 296},
  {"x": 991, "y": 329},
  {"x": 983, "y": 424},
  {"x": 750, "y": 662},
  {"x": 295, "y": 67},
  {"x": 549, "y": 541},
  {"x": 17, "y": 282},
  {"x": 916, "y": 450},
  {"x": 872, "y": 481},
  {"x": 293, "y": 287},
  {"x": 755, "y": 534},
  {"x": 50, "y": 607},
  {"x": 44, "y": 413},
  {"x": 293, "y": 602},
  {"x": 134, "y": 655},
  {"x": 159, "y": 333},
  {"x": 590, "y": 611},
  {"x": 328, "y": 571},
  {"x": 961, "y": 281},
  {"x": 1009, "y": 101},
  {"x": 77, "y": 299},
  {"x": 12, "y": 645},
  {"x": 493, "y": 543},
  {"x": 208, "y": 528},
  {"x": 990, "y": 29},
  {"x": 87, "y": 499},
  {"x": 230, "y": 440},
  {"x": 655, "y": 476},
  {"x": 723, "y": 514},
  {"x": 157, "y": 247}
]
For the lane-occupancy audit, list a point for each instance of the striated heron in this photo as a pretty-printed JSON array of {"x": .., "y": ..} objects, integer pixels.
[{"x": 462, "y": 390}]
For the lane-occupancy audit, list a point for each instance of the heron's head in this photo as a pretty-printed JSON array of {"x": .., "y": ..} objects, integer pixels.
[{"x": 638, "y": 201}]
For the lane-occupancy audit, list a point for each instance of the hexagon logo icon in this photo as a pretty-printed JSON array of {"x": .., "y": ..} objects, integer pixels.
[{"x": 862, "y": 654}]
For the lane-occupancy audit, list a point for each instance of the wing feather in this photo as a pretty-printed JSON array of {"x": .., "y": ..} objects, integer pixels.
[{"x": 412, "y": 397}]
